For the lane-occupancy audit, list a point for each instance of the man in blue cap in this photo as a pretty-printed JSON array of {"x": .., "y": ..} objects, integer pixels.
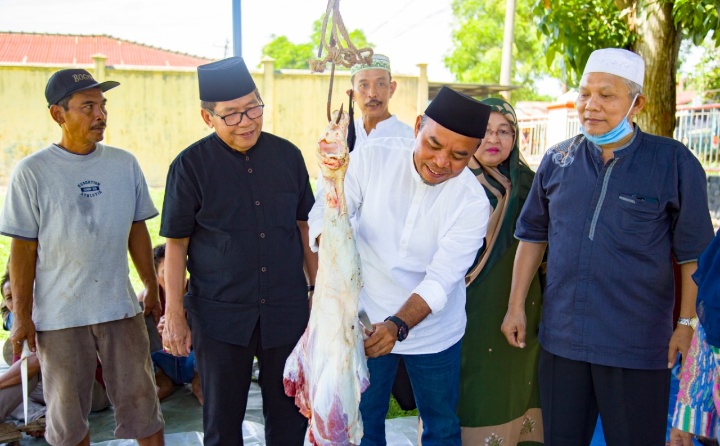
[
  {"x": 423, "y": 220},
  {"x": 74, "y": 210},
  {"x": 235, "y": 215}
]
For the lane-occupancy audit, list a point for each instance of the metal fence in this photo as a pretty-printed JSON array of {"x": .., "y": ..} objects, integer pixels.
[
  {"x": 533, "y": 139},
  {"x": 696, "y": 127},
  {"x": 699, "y": 129}
]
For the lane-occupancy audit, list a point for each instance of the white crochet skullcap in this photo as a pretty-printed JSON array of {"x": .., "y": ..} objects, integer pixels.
[{"x": 622, "y": 63}]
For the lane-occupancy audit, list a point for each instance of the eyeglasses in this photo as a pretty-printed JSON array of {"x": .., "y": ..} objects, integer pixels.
[
  {"x": 502, "y": 134},
  {"x": 236, "y": 118}
]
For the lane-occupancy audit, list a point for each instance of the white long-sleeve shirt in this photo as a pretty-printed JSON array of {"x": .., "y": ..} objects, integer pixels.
[
  {"x": 390, "y": 127},
  {"x": 412, "y": 238}
]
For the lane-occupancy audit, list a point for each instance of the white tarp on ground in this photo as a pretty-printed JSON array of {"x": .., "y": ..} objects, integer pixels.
[
  {"x": 183, "y": 418},
  {"x": 400, "y": 432},
  {"x": 179, "y": 439}
]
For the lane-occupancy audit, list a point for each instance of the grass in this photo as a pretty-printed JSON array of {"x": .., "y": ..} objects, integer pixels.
[
  {"x": 394, "y": 411},
  {"x": 154, "y": 228}
]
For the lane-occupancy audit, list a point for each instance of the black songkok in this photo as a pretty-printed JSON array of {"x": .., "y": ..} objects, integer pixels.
[
  {"x": 459, "y": 113},
  {"x": 224, "y": 80}
]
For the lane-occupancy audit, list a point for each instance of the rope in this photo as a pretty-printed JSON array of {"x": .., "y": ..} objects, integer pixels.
[{"x": 337, "y": 54}]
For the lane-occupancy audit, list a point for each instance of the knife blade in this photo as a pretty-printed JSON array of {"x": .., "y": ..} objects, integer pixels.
[
  {"x": 365, "y": 320},
  {"x": 24, "y": 377}
]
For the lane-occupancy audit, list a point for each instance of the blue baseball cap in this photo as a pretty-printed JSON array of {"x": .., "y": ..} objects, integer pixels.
[{"x": 63, "y": 83}]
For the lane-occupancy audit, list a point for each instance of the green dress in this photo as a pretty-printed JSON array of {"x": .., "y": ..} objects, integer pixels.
[{"x": 499, "y": 397}]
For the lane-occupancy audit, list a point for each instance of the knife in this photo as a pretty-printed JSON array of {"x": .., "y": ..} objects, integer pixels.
[
  {"x": 365, "y": 320},
  {"x": 24, "y": 377}
]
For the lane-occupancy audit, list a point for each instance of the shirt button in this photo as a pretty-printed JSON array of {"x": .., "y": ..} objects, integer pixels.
[
  {"x": 262, "y": 301},
  {"x": 263, "y": 269},
  {"x": 262, "y": 235},
  {"x": 257, "y": 203},
  {"x": 247, "y": 158},
  {"x": 249, "y": 170}
]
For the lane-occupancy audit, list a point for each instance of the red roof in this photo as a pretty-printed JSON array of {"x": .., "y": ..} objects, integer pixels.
[{"x": 64, "y": 49}]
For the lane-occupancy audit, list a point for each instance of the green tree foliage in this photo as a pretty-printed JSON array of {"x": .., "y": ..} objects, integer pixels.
[
  {"x": 651, "y": 28},
  {"x": 296, "y": 55},
  {"x": 698, "y": 18},
  {"x": 705, "y": 75},
  {"x": 478, "y": 43},
  {"x": 288, "y": 54},
  {"x": 576, "y": 28},
  {"x": 704, "y": 15}
]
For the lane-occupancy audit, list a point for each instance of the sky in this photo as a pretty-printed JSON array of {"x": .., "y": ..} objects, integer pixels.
[{"x": 408, "y": 31}]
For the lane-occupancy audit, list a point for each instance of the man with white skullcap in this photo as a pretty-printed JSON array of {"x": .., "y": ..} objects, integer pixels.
[
  {"x": 372, "y": 89},
  {"x": 614, "y": 206}
]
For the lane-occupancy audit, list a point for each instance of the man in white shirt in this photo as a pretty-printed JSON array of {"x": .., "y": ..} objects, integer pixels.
[
  {"x": 372, "y": 89},
  {"x": 420, "y": 218}
]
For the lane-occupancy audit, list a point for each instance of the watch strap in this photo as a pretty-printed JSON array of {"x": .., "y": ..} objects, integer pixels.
[{"x": 688, "y": 321}]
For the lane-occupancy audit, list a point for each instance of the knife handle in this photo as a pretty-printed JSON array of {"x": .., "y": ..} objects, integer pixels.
[{"x": 25, "y": 350}]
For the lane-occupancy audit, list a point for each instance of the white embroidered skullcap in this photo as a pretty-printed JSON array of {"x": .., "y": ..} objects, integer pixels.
[
  {"x": 379, "y": 62},
  {"x": 622, "y": 63}
]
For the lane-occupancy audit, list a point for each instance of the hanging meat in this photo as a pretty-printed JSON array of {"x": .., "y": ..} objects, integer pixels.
[{"x": 327, "y": 370}]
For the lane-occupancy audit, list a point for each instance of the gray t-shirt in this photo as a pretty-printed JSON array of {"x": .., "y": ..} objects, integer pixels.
[{"x": 80, "y": 209}]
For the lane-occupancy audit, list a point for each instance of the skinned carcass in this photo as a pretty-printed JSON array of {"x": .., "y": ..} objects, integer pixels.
[{"x": 327, "y": 370}]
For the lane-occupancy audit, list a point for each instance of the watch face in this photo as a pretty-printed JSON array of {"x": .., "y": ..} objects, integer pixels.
[
  {"x": 402, "y": 332},
  {"x": 402, "y": 327}
]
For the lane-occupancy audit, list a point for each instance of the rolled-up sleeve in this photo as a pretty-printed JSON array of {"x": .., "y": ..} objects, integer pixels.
[{"x": 456, "y": 252}]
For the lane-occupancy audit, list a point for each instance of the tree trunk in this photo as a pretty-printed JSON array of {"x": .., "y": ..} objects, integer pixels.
[{"x": 658, "y": 43}]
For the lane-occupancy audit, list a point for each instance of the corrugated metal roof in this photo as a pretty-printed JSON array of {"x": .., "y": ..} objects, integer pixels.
[{"x": 68, "y": 49}]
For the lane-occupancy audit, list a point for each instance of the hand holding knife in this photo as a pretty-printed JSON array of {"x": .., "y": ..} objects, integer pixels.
[{"x": 368, "y": 328}]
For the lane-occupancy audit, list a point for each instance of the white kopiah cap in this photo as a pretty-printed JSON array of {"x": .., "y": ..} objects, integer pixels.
[{"x": 619, "y": 62}]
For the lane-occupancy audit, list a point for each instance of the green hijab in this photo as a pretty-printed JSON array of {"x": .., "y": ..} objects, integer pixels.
[{"x": 507, "y": 187}]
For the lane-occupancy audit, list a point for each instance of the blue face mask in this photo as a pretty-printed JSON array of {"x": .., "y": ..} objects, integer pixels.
[{"x": 623, "y": 129}]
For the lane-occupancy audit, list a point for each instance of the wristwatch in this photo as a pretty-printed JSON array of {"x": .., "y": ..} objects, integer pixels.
[
  {"x": 689, "y": 321},
  {"x": 402, "y": 327}
]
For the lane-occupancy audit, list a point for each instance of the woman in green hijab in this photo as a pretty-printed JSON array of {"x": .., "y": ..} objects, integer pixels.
[{"x": 499, "y": 398}]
